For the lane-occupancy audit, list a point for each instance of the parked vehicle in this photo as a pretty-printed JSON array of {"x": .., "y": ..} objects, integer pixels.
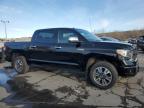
[
  {"x": 105, "y": 38},
  {"x": 1, "y": 51},
  {"x": 132, "y": 40},
  {"x": 101, "y": 61},
  {"x": 140, "y": 42}
]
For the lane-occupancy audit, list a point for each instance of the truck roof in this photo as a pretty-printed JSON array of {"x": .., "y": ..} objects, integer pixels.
[{"x": 55, "y": 28}]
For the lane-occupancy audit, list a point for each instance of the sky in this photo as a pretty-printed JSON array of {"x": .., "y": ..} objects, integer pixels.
[{"x": 26, "y": 16}]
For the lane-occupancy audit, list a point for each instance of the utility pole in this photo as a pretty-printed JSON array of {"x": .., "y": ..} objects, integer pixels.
[
  {"x": 5, "y": 26},
  {"x": 90, "y": 24}
]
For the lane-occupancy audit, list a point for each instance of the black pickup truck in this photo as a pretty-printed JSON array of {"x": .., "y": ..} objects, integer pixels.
[{"x": 101, "y": 61}]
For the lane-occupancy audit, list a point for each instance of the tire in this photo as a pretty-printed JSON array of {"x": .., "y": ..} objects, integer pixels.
[
  {"x": 108, "y": 74},
  {"x": 20, "y": 64}
]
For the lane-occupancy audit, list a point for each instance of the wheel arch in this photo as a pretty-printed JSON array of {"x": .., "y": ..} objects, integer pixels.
[
  {"x": 16, "y": 53},
  {"x": 91, "y": 59}
]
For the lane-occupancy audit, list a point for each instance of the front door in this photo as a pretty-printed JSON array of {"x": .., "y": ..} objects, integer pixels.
[{"x": 69, "y": 53}]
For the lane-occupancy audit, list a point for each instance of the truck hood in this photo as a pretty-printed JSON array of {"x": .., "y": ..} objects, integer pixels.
[{"x": 113, "y": 45}]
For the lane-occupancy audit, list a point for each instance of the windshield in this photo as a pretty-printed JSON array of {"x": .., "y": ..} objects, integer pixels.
[{"x": 89, "y": 36}]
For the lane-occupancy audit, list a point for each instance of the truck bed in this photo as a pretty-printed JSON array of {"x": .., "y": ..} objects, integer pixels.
[{"x": 17, "y": 45}]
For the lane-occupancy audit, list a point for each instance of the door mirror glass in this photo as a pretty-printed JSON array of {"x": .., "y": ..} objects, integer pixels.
[{"x": 73, "y": 39}]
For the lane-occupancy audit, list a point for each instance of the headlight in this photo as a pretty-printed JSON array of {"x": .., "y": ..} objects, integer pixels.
[{"x": 125, "y": 53}]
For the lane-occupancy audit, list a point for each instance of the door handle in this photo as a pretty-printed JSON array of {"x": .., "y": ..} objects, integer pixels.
[
  {"x": 58, "y": 47},
  {"x": 32, "y": 47}
]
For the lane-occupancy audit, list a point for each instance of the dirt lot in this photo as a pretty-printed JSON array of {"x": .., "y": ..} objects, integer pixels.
[{"x": 64, "y": 87}]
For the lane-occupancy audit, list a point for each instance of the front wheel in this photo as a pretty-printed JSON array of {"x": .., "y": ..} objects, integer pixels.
[
  {"x": 103, "y": 75},
  {"x": 20, "y": 64}
]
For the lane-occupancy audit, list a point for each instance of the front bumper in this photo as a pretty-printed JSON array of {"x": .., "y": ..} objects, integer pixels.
[
  {"x": 129, "y": 67},
  {"x": 128, "y": 70}
]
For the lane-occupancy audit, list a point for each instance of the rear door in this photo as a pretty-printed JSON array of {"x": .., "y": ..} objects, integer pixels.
[{"x": 43, "y": 45}]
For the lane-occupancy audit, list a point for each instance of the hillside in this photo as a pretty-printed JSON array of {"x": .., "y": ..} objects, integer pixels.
[
  {"x": 16, "y": 39},
  {"x": 123, "y": 35}
]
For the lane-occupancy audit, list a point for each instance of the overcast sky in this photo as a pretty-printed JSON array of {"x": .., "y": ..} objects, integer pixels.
[{"x": 25, "y": 16}]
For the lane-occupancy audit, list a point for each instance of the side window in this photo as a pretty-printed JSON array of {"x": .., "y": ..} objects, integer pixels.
[
  {"x": 48, "y": 36},
  {"x": 64, "y": 35}
]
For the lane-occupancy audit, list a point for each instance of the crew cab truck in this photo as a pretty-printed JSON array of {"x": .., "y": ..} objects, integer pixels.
[{"x": 101, "y": 61}]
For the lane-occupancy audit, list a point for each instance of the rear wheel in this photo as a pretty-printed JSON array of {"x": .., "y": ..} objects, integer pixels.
[
  {"x": 103, "y": 75},
  {"x": 20, "y": 64}
]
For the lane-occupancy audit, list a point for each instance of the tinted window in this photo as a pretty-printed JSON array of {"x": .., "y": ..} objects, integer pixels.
[
  {"x": 64, "y": 35},
  {"x": 48, "y": 36}
]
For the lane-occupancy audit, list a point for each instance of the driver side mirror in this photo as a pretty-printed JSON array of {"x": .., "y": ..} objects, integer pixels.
[{"x": 73, "y": 39}]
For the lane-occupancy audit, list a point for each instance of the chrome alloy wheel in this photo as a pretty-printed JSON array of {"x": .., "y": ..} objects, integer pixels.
[
  {"x": 19, "y": 65},
  {"x": 102, "y": 76}
]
